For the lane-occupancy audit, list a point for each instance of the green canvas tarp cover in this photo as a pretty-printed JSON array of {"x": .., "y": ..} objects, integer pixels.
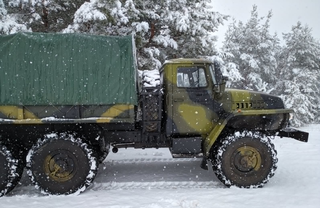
[{"x": 66, "y": 69}]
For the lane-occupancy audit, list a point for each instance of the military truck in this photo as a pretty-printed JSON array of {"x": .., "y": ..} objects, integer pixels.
[{"x": 66, "y": 100}]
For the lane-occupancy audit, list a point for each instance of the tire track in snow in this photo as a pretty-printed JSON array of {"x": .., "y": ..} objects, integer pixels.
[
  {"x": 144, "y": 174},
  {"x": 155, "y": 185},
  {"x": 151, "y": 160},
  {"x": 154, "y": 173}
]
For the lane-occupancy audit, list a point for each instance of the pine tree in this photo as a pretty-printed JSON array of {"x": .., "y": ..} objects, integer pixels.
[
  {"x": 164, "y": 29},
  {"x": 43, "y": 15},
  {"x": 3, "y": 11},
  {"x": 299, "y": 73},
  {"x": 250, "y": 49},
  {"x": 8, "y": 23},
  {"x": 228, "y": 69}
]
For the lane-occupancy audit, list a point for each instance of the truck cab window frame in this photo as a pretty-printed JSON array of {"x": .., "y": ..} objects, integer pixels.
[{"x": 191, "y": 77}]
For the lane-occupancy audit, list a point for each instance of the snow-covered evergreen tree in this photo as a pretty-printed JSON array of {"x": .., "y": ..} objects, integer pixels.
[
  {"x": 299, "y": 74},
  {"x": 228, "y": 69},
  {"x": 3, "y": 11},
  {"x": 250, "y": 49},
  {"x": 43, "y": 15},
  {"x": 8, "y": 23},
  {"x": 164, "y": 29}
]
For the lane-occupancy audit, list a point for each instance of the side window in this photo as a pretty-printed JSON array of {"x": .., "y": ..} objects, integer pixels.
[{"x": 192, "y": 77}]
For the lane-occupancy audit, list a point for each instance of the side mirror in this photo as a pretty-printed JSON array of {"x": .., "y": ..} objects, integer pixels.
[
  {"x": 223, "y": 84},
  {"x": 220, "y": 88},
  {"x": 220, "y": 80},
  {"x": 225, "y": 79}
]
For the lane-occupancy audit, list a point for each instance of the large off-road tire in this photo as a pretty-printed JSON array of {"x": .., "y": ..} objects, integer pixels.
[
  {"x": 246, "y": 159},
  {"x": 61, "y": 164},
  {"x": 8, "y": 171},
  {"x": 20, "y": 163}
]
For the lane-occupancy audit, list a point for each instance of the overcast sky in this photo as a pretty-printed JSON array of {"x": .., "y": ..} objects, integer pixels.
[{"x": 286, "y": 13}]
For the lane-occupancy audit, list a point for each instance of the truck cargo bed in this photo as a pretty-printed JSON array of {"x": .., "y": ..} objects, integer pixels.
[{"x": 43, "y": 69}]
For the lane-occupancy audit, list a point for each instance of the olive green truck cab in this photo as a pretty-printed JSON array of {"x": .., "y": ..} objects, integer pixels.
[{"x": 67, "y": 99}]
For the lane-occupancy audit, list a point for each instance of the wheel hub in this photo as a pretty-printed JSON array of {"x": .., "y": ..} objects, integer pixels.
[
  {"x": 60, "y": 167},
  {"x": 247, "y": 159}
]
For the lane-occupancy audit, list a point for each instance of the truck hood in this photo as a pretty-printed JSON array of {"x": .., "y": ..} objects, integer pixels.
[{"x": 246, "y": 99}]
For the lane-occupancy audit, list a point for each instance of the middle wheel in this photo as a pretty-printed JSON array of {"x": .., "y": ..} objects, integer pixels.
[{"x": 61, "y": 164}]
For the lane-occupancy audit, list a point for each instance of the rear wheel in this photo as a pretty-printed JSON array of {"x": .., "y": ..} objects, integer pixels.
[
  {"x": 8, "y": 171},
  {"x": 61, "y": 164},
  {"x": 20, "y": 163},
  {"x": 246, "y": 159}
]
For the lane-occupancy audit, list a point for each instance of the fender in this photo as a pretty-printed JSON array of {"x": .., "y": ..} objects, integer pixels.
[{"x": 222, "y": 123}]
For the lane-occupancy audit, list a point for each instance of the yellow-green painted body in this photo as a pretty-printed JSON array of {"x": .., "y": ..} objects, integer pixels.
[
  {"x": 66, "y": 114},
  {"x": 195, "y": 104},
  {"x": 207, "y": 109}
]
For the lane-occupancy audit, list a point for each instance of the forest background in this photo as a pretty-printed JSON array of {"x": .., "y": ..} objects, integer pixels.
[{"x": 251, "y": 56}]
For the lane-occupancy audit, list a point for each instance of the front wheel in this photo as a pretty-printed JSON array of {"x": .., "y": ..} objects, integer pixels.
[
  {"x": 61, "y": 164},
  {"x": 245, "y": 160}
]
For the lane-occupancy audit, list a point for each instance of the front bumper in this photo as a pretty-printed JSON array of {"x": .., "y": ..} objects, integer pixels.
[{"x": 295, "y": 134}]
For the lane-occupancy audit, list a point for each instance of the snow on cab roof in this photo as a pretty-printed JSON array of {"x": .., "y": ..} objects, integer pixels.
[{"x": 188, "y": 60}]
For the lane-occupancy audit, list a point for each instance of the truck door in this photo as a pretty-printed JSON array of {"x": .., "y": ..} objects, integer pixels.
[{"x": 191, "y": 101}]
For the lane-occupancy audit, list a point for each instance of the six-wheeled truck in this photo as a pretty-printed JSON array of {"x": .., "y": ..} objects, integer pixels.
[{"x": 67, "y": 99}]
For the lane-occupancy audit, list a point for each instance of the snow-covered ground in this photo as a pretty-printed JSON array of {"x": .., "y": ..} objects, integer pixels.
[{"x": 152, "y": 179}]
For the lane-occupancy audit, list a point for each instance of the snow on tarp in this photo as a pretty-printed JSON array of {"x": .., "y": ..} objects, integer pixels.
[{"x": 66, "y": 69}]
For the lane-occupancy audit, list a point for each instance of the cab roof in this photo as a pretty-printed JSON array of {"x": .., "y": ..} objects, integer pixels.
[{"x": 188, "y": 60}]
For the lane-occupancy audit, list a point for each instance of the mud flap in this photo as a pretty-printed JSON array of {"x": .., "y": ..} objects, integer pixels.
[
  {"x": 204, "y": 163},
  {"x": 295, "y": 134}
]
